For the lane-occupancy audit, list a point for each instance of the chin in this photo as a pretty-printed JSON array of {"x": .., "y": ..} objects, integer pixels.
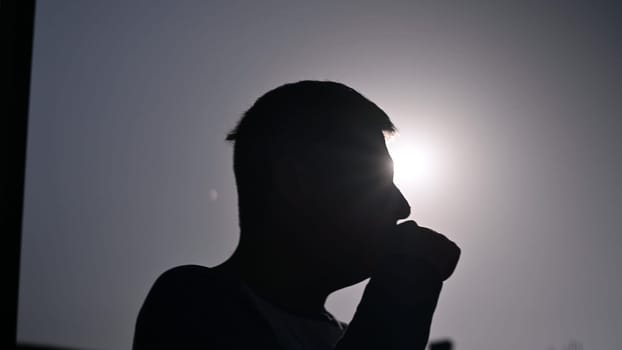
[
  {"x": 350, "y": 273},
  {"x": 351, "y": 280}
]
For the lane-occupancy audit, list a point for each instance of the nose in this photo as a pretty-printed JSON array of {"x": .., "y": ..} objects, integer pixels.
[{"x": 402, "y": 208}]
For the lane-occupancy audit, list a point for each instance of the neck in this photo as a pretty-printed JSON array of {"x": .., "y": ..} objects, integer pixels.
[{"x": 281, "y": 278}]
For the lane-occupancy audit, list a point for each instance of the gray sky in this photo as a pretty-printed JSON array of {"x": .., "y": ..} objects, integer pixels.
[{"x": 518, "y": 105}]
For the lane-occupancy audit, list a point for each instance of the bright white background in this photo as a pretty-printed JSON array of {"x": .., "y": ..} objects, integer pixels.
[{"x": 511, "y": 110}]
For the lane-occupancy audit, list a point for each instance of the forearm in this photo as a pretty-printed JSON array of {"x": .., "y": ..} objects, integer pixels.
[{"x": 396, "y": 310}]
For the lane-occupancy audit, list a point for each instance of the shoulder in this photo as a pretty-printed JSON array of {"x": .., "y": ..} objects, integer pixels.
[
  {"x": 187, "y": 283},
  {"x": 190, "y": 294},
  {"x": 194, "y": 305},
  {"x": 182, "y": 277}
]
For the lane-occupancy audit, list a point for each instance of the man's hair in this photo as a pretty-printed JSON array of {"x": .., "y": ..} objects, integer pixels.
[{"x": 290, "y": 121}]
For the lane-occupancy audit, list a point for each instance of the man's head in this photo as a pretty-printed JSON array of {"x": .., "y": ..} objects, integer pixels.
[{"x": 314, "y": 175}]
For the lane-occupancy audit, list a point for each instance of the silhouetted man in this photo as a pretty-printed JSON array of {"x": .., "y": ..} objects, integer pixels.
[{"x": 318, "y": 212}]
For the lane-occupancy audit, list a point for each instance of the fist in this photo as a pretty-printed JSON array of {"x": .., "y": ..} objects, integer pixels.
[{"x": 422, "y": 243}]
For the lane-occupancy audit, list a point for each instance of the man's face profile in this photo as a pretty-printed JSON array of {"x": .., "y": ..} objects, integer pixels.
[
  {"x": 358, "y": 201},
  {"x": 315, "y": 177}
]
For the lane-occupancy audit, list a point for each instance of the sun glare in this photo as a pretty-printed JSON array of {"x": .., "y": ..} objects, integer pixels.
[{"x": 414, "y": 165}]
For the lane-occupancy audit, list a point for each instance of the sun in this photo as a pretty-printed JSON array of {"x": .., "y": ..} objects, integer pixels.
[{"x": 414, "y": 164}]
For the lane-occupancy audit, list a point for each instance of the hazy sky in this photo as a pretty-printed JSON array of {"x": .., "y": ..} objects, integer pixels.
[{"x": 517, "y": 107}]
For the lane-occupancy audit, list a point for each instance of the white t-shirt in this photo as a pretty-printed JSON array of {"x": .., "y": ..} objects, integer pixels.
[{"x": 296, "y": 332}]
